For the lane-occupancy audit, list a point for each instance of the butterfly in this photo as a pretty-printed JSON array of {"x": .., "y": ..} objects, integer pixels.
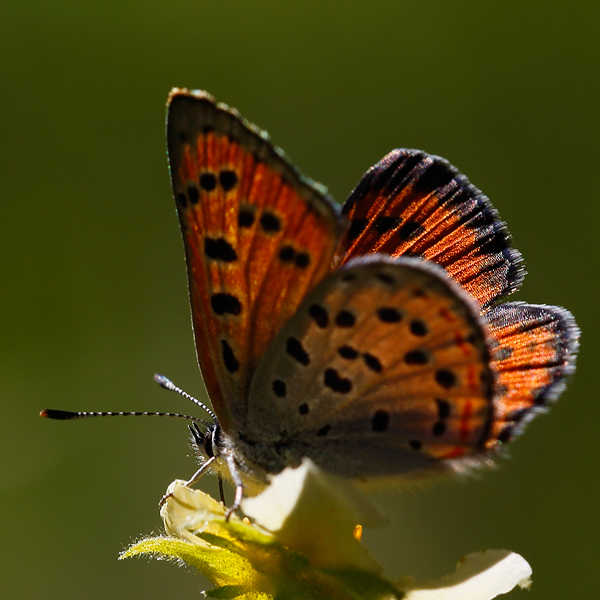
[{"x": 370, "y": 339}]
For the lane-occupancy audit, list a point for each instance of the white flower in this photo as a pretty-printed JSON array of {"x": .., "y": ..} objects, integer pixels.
[
  {"x": 302, "y": 544},
  {"x": 478, "y": 576},
  {"x": 316, "y": 514}
]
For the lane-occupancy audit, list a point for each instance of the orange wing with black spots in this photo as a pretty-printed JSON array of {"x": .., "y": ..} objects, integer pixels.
[
  {"x": 535, "y": 347},
  {"x": 384, "y": 370},
  {"x": 257, "y": 236},
  {"x": 415, "y": 204}
]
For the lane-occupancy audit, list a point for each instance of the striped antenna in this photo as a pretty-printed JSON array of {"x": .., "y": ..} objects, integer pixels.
[
  {"x": 67, "y": 415},
  {"x": 169, "y": 385}
]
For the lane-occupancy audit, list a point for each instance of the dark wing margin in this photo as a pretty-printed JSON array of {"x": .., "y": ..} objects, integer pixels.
[
  {"x": 416, "y": 204},
  {"x": 192, "y": 114},
  {"x": 535, "y": 347}
]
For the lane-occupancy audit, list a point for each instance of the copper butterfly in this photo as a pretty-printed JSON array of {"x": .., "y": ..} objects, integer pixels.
[{"x": 369, "y": 339}]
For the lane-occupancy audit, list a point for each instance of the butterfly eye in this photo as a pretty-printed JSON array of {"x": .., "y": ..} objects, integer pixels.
[{"x": 208, "y": 445}]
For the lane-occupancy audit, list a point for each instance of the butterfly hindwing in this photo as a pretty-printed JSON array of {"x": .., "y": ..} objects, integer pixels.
[
  {"x": 384, "y": 369},
  {"x": 534, "y": 350},
  {"x": 257, "y": 236},
  {"x": 415, "y": 204}
]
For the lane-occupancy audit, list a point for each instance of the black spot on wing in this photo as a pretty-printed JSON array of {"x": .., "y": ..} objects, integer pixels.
[
  {"x": 287, "y": 253},
  {"x": 208, "y": 182},
  {"x": 445, "y": 378},
  {"x": 324, "y": 430},
  {"x": 410, "y": 229},
  {"x": 319, "y": 315},
  {"x": 416, "y": 358},
  {"x": 228, "y": 180},
  {"x": 302, "y": 260},
  {"x": 246, "y": 217},
  {"x": 443, "y": 408},
  {"x": 279, "y": 388},
  {"x": 225, "y": 304},
  {"x": 231, "y": 362},
  {"x": 270, "y": 222},
  {"x": 438, "y": 428},
  {"x": 193, "y": 194},
  {"x": 503, "y": 353},
  {"x": 295, "y": 349},
  {"x": 384, "y": 224},
  {"x": 372, "y": 362},
  {"x": 380, "y": 421},
  {"x": 336, "y": 383},
  {"x": 418, "y": 328},
  {"x": 388, "y": 314},
  {"x": 219, "y": 249},
  {"x": 357, "y": 226},
  {"x": 345, "y": 319},
  {"x": 347, "y": 352}
]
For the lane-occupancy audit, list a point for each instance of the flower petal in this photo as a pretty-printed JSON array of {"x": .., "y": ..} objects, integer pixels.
[
  {"x": 315, "y": 514},
  {"x": 478, "y": 576}
]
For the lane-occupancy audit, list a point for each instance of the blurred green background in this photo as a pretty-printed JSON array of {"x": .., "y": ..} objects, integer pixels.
[{"x": 94, "y": 295}]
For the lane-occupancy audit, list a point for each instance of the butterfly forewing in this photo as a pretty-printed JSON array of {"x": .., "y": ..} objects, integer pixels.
[
  {"x": 415, "y": 204},
  {"x": 257, "y": 236},
  {"x": 386, "y": 364}
]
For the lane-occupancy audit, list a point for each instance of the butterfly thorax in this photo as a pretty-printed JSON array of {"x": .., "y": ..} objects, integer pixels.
[
  {"x": 253, "y": 461},
  {"x": 355, "y": 458}
]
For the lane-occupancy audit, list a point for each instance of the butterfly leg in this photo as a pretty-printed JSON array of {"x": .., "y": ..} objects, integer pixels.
[
  {"x": 239, "y": 487},
  {"x": 194, "y": 478},
  {"x": 221, "y": 490}
]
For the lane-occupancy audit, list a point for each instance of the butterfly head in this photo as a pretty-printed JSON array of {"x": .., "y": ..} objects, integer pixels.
[{"x": 206, "y": 443}]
